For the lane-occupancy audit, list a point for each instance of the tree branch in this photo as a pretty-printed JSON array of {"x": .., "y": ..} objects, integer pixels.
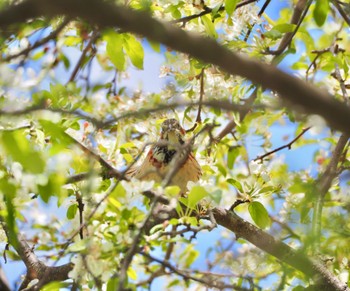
[
  {"x": 341, "y": 11},
  {"x": 53, "y": 35},
  {"x": 36, "y": 269},
  {"x": 207, "y": 11},
  {"x": 283, "y": 252},
  {"x": 187, "y": 276},
  {"x": 288, "y": 145},
  {"x": 324, "y": 183},
  {"x": 298, "y": 16},
  {"x": 298, "y": 93},
  {"x": 95, "y": 35},
  {"x": 264, "y": 241}
]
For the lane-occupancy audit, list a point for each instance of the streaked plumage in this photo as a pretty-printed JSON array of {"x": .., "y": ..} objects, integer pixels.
[{"x": 160, "y": 159}]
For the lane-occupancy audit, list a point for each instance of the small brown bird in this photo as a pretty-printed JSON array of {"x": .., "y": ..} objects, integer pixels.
[{"x": 168, "y": 155}]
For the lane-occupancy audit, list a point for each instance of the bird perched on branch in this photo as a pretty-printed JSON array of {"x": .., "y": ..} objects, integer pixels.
[{"x": 170, "y": 160}]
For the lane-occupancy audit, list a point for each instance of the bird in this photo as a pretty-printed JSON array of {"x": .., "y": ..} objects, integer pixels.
[{"x": 169, "y": 161}]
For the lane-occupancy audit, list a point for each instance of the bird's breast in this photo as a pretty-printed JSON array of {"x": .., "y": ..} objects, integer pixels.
[{"x": 162, "y": 155}]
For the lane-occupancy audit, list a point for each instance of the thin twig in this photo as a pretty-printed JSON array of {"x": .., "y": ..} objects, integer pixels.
[
  {"x": 242, "y": 114},
  {"x": 263, "y": 8},
  {"x": 81, "y": 211},
  {"x": 53, "y": 35},
  {"x": 201, "y": 94},
  {"x": 187, "y": 275},
  {"x": 298, "y": 16},
  {"x": 341, "y": 11},
  {"x": 134, "y": 247},
  {"x": 288, "y": 145},
  {"x": 77, "y": 67},
  {"x": 208, "y": 10},
  {"x": 267, "y": 2}
]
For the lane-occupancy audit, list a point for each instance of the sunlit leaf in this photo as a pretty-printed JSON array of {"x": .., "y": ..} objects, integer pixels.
[
  {"x": 236, "y": 184},
  {"x": 19, "y": 148},
  {"x": 112, "y": 284},
  {"x": 118, "y": 191},
  {"x": 134, "y": 50},
  {"x": 259, "y": 214},
  {"x": 196, "y": 194},
  {"x": 132, "y": 273},
  {"x": 230, "y": 6},
  {"x": 321, "y": 11},
  {"x": 72, "y": 211},
  {"x": 191, "y": 256},
  {"x": 209, "y": 26},
  {"x": 172, "y": 191},
  {"x": 115, "y": 43},
  {"x": 232, "y": 154}
]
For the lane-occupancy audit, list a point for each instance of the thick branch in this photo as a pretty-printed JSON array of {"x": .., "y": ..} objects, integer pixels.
[
  {"x": 324, "y": 183},
  {"x": 341, "y": 11},
  {"x": 296, "y": 92},
  {"x": 4, "y": 284},
  {"x": 266, "y": 242},
  {"x": 298, "y": 16},
  {"x": 324, "y": 279},
  {"x": 36, "y": 269}
]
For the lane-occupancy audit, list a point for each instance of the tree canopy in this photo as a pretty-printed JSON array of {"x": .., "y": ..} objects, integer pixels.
[{"x": 262, "y": 89}]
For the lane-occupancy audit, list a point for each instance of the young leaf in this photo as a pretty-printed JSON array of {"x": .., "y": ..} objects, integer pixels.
[
  {"x": 230, "y": 6},
  {"x": 134, "y": 50},
  {"x": 259, "y": 214},
  {"x": 236, "y": 184},
  {"x": 115, "y": 51},
  {"x": 18, "y": 147},
  {"x": 231, "y": 156},
  {"x": 196, "y": 194},
  {"x": 321, "y": 11},
  {"x": 112, "y": 284},
  {"x": 72, "y": 211},
  {"x": 209, "y": 26}
]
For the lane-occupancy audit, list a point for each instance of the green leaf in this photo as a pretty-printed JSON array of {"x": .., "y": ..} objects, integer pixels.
[
  {"x": 285, "y": 27},
  {"x": 196, "y": 194},
  {"x": 235, "y": 184},
  {"x": 77, "y": 246},
  {"x": 18, "y": 147},
  {"x": 57, "y": 135},
  {"x": 259, "y": 214},
  {"x": 155, "y": 46},
  {"x": 266, "y": 189},
  {"x": 9, "y": 191},
  {"x": 54, "y": 286},
  {"x": 216, "y": 196},
  {"x": 230, "y": 6},
  {"x": 72, "y": 211},
  {"x": 172, "y": 191},
  {"x": 118, "y": 192},
  {"x": 115, "y": 51},
  {"x": 209, "y": 26},
  {"x": 52, "y": 187},
  {"x": 231, "y": 156},
  {"x": 134, "y": 50},
  {"x": 321, "y": 11},
  {"x": 132, "y": 273},
  {"x": 273, "y": 34},
  {"x": 112, "y": 284},
  {"x": 192, "y": 255}
]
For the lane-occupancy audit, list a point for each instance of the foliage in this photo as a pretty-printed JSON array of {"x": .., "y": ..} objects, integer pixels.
[{"x": 72, "y": 121}]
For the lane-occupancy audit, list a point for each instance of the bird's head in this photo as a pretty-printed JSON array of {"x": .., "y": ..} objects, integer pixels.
[{"x": 172, "y": 131}]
